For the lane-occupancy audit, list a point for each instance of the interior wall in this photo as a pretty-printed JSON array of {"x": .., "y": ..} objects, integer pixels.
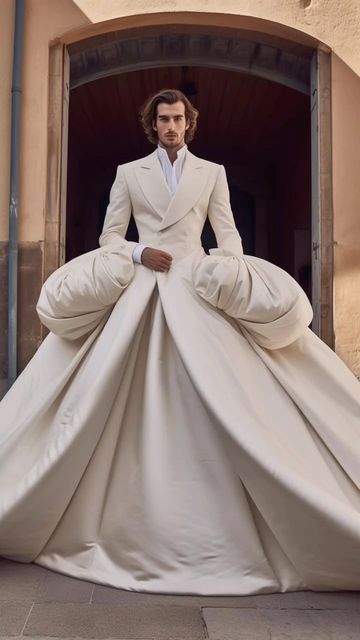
[{"x": 290, "y": 231}]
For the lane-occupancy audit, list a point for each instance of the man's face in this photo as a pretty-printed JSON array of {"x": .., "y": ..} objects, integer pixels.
[{"x": 171, "y": 125}]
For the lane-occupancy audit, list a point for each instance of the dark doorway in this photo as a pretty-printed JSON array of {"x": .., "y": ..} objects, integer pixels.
[{"x": 259, "y": 129}]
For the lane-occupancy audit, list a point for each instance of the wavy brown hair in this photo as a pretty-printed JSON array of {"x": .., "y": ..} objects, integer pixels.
[{"x": 148, "y": 113}]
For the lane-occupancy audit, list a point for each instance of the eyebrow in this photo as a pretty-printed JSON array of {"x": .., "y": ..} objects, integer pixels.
[{"x": 180, "y": 115}]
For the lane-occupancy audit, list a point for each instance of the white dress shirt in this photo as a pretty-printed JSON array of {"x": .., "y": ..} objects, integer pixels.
[{"x": 172, "y": 173}]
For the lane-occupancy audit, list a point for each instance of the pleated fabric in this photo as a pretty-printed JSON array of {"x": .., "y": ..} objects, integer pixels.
[{"x": 182, "y": 432}]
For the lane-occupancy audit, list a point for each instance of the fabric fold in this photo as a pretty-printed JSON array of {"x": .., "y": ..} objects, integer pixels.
[
  {"x": 78, "y": 295},
  {"x": 162, "y": 441},
  {"x": 262, "y": 297}
]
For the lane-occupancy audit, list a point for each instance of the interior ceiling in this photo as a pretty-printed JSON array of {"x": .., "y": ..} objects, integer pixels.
[{"x": 242, "y": 118}]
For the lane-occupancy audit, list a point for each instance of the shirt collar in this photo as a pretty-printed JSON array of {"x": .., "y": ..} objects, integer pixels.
[{"x": 162, "y": 153}]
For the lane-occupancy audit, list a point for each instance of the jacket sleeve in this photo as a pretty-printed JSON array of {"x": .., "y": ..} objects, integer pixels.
[
  {"x": 265, "y": 300},
  {"x": 222, "y": 219},
  {"x": 118, "y": 215}
]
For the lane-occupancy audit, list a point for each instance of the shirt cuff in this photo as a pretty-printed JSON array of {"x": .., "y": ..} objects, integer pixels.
[{"x": 136, "y": 254}]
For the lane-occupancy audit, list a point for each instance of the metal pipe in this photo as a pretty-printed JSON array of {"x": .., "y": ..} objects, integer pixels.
[{"x": 16, "y": 91}]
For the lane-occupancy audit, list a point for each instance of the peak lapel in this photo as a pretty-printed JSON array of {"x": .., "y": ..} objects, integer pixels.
[
  {"x": 192, "y": 183},
  {"x": 153, "y": 184}
]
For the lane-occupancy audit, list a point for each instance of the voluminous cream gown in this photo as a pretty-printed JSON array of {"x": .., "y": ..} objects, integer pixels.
[{"x": 182, "y": 432}]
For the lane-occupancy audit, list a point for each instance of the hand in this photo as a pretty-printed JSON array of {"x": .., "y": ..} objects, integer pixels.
[{"x": 156, "y": 259}]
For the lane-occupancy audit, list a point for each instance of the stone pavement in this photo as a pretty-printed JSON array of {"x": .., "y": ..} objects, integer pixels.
[{"x": 41, "y": 604}]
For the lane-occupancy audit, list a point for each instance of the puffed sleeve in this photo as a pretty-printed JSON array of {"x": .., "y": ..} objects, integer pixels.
[
  {"x": 77, "y": 296},
  {"x": 264, "y": 299},
  {"x": 118, "y": 215}
]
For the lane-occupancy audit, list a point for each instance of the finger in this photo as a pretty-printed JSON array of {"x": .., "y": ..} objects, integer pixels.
[{"x": 166, "y": 255}]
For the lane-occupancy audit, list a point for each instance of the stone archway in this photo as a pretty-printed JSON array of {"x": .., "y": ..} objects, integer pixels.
[
  {"x": 278, "y": 60},
  {"x": 119, "y": 52}
]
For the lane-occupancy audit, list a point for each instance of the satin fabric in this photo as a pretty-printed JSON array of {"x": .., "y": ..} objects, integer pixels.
[{"x": 181, "y": 432}]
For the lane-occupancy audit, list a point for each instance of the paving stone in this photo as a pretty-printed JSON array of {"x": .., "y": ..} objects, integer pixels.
[
  {"x": 309, "y": 600},
  {"x": 122, "y": 621},
  {"x": 262, "y": 624},
  {"x": 290, "y": 600},
  {"x": 296, "y": 625},
  {"x": 342, "y": 625},
  {"x": 19, "y": 581},
  {"x": 334, "y": 600},
  {"x": 13, "y": 617},
  {"x": 235, "y": 624},
  {"x": 59, "y": 588}
]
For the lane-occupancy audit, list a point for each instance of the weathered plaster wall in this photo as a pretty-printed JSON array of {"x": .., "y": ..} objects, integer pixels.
[
  {"x": 6, "y": 56},
  {"x": 346, "y": 194},
  {"x": 6, "y": 39},
  {"x": 43, "y": 22}
]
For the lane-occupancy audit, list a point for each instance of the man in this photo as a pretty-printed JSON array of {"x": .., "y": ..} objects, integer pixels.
[
  {"x": 170, "y": 125},
  {"x": 204, "y": 439},
  {"x": 173, "y": 180}
]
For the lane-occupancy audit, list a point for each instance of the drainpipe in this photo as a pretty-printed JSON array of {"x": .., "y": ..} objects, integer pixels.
[{"x": 16, "y": 91}]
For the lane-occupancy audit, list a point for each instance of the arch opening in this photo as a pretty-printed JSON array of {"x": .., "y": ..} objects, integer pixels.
[
  {"x": 281, "y": 173},
  {"x": 257, "y": 127}
]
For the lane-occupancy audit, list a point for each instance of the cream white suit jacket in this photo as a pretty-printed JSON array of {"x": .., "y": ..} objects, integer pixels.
[{"x": 173, "y": 223}]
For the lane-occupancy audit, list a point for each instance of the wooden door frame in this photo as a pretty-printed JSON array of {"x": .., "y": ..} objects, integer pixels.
[
  {"x": 322, "y": 201},
  {"x": 56, "y": 178},
  {"x": 321, "y": 161}
]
